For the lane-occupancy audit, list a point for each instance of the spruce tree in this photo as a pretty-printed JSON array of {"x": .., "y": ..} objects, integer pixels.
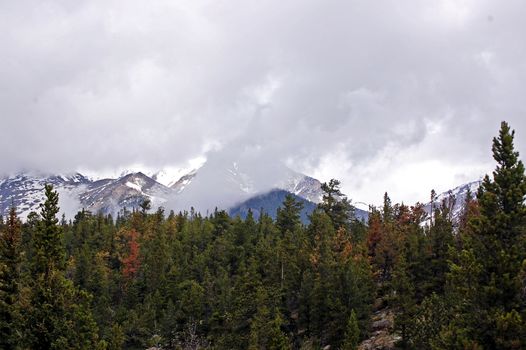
[
  {"x": 145, "y": 206},
  {"x": 59, "y": 316},
  {"x": 496, "y": 245},
  {"x": 289, "y": 223},
  {"x": 48, "y": 246},
  {"x": 500, "y": 231},
  {"x": 288, "y": 216},
  {"x": 404, "y": 302},
  {"x": 10, "y": 259},
  {"x": 336, "y": 205},
  {"x": 277, "y": 339},
  {"x": 441, "y": 238},
  {"x": 352, "y": 334}
]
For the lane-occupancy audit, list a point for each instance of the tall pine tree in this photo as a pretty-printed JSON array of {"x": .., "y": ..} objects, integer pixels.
[
  {"x": 336, "y": 205},
  {"x": 10, "y": 259},
  {"x": 59, "y": 316},
  {"x": 495, "y": 317}
]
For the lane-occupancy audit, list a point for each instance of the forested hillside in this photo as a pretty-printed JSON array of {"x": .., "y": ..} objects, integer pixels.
[{"x": 151, "y": 279}]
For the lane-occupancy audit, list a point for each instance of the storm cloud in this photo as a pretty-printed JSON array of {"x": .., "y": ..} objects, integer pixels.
[{"x": 384, "y": 95}]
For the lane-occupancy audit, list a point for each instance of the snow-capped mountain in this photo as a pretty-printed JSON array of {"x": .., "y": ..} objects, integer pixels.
[
  {"x": 26, "y": 192},
  {"x": 455, "y": 198},
  {"x": 303, "y": 186},
  {"x": 127, "y": 191},
  {"x": 203, "y": 188},
  {"x": 225, "y": 184}
]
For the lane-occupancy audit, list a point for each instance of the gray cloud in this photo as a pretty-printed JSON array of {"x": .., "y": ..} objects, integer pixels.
[{"x": 365, "y": 91}]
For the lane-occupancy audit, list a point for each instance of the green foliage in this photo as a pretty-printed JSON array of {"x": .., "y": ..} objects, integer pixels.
[
  {"x": 58, "y": 315},
  {"x": 10, "y": 260},
  {"x": 441, "y": 238},
  {"x": 288, "y": 217},
  {"x": 145, "y": 205},
  {"x": 266, "y": 326},
  {"x": 47, "y": 243},
  {"x": 485, "y": 283},
  {"x": 352, "y": 333},
  {"x": 116, "y": 338},
  {"x": 277, "y": 339},
  {"x": 405, "y": 302},
  {"x": 336, "y": 205},
  {"x": 430, "y": 318}
]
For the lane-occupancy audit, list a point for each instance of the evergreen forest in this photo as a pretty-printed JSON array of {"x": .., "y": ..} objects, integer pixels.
[{"x": 150, "y": 279}]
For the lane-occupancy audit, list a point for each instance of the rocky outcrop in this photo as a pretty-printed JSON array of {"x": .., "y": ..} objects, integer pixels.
[{"x": 382, "y": 335}]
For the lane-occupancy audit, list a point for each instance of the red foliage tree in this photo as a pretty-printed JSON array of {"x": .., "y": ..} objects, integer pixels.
[
  {"x": 374, "y": 232},
  {"x": 132, "y": 262}
]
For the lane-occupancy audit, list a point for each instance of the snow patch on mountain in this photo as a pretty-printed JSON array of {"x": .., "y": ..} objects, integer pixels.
[
  {"x": 134, "y": 186},
  {"x": 169, "y": 176}
]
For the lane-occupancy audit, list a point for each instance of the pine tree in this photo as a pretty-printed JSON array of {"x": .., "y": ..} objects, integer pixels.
[
  {"x": 405, "y": 302},
  {"x": 288, "y": 216},
  {"x": 352, "y": 333},
  {"x": 374, "y": 232},
  {"x": 497, "y": 246},
  {"x": 383, "y": 237},
  {"x": 59, "y": 315},
  {"x": 432, "y": 315},
  {"x": 433, "y": 198},
  {"x": 260, "y": 325},
  {"x": 469, "y": 210},
  {"x": 145, "y": 206},
  {"x": 387, "y": 212},
  {"x": 10, "y": 259},
  {"x": 289, "y": 223},
  {"x": 131, "y": 262},
  {"x": 47, "y": 243},
  {"x": 265, "y": 326},
  {"x": 441, "y": 238},
  {"x": 336, "y": 205},
  {"x": 500, "y": 230},
  {"x": 277, "y": 339}
]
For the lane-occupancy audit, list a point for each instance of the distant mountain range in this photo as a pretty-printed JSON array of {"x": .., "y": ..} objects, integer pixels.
[
  {"x": 203, "y": 189},
  {"x": 236, "y": 188}
]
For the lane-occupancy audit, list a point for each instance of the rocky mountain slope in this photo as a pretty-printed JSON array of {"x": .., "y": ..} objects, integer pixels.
[{"x": 128, "y": 191}]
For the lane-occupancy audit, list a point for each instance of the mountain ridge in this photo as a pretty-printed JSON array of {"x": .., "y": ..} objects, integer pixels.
[{"x": 110, "y": 195}]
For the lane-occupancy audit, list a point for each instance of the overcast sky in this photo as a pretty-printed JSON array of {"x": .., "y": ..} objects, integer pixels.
[{"x": 397, "y": 96}]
